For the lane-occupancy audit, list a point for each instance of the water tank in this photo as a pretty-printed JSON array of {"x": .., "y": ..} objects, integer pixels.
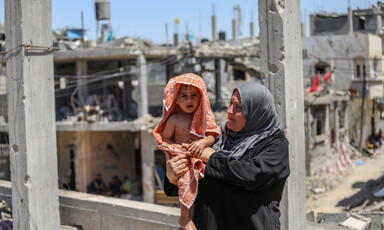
[
  {"x": 102, "y": 10},
  {"x": 222, "y": 35}
]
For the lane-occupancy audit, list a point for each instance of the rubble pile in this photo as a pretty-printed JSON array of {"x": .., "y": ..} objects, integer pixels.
[
  {"x": 329, "y": 176},
  {"x": 370, "y": 197}
]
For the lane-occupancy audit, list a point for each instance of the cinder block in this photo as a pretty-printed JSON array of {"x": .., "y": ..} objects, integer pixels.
[{"x": 357, "y": 222}]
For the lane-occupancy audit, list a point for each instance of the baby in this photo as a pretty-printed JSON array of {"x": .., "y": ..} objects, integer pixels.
[{"x": 187, "y": 118}]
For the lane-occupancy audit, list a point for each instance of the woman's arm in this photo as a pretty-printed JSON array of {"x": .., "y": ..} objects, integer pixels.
[
  {"x": 262, "y": 170},
  {"x": 169, "y": 188}
]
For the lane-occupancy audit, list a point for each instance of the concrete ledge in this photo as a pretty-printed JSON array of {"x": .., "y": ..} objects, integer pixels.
[
  {"x": 99, "y": 212},
  {"x": 315, "y": 226}
]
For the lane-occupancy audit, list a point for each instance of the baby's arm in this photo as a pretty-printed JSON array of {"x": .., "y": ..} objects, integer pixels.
[
  {"x": 197, "y": 147},
  {"x": 169, "y": 131}
]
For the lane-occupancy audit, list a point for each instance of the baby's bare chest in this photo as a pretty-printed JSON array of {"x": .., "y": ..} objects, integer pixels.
[{"x": 182, "y": 133}]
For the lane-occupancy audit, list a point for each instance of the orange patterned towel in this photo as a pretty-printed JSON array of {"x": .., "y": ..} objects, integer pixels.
[{"x": 203, "y": 122}]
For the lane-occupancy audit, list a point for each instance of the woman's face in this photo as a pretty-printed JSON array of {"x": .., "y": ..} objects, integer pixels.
[{"x": 236, "y": 120}]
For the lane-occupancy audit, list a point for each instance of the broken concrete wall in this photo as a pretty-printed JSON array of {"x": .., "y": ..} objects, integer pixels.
[
  {"x": 325, "y": 25},
  {"x": 107, "y": 153},
  {"x": 371, "y": 24},
  {"x": 99, "y": 212},
  {"x": 156, "y": 72},
  {"x": 339, "y": 51},
  {"x": 338, "y": 24},
  {"x": 375, "y": 55}
]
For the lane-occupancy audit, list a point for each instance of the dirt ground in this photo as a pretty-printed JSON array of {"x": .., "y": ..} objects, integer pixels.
[{"x": 354, "y": 191}]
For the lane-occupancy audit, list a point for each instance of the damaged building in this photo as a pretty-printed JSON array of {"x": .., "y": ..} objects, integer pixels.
[
  {"x": 346, "y": 108},
  {"x": 108, "y": 99},
  {"x": 99, "y": 107}
]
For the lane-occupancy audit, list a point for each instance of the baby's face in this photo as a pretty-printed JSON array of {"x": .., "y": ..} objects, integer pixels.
[{"x": 188, "y": 98}]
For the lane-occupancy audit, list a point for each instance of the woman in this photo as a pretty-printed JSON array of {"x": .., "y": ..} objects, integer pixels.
[{"x": 246, "y": 168}]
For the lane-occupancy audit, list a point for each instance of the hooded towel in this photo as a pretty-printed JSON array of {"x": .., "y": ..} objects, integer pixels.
[{"x": 203, "y": 122}]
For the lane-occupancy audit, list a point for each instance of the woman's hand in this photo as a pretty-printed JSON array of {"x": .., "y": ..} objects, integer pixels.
[
  {"x": 176, "y": 167},
  {"x": 206, "y": 154}
]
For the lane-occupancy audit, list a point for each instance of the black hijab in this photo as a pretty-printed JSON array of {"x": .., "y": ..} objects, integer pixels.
[{"x": 261, "y": 121}]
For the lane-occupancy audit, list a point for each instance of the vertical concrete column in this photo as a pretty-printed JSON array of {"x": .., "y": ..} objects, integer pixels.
[
  {"x": 314, "y": 128},
  {"x": 147, "y": 165},
  {"x": 31, "y": 110},
  {"x": 83, "y": 144},
  {"x": 308, "y": 132},
  {"x": 281, "y": 63},
  {"x": 327, "y": 126},
  {"x": 350, "y": 21},
  {"x": 213, "y": 27},
  {"x": 175, "y": 39},
  {"x": 336, "y": 125},
  {"x": 219, "y": 100},
  {"x": 230, "y": 73},
  {"x": 81, "y": 71},
  {"x": 252, "y": 33},
  {"x": 143, "y": 84},
  {"x": 346, "y": 122},
  {"x": 379, "y": 24},
  {"x": 312, "y": 24},
  {"x": 234, "y": 31}
]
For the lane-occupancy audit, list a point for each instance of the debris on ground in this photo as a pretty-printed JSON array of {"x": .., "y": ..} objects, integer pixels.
[
  {"x": 368, "y": 199},
  {"x": 357, "y": 222}
]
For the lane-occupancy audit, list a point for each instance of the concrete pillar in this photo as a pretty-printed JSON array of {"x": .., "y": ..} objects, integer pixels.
[
  {"x": 83, "y": 153},
  {"x": 346, "y": 122},
  {"x": 230, "y": 73},
  {"x": 213, "y": 27},
  {"x": 175, "y": 39},
  {"x": 81, "y": 71},
  {"x": 379, "y": 24},
  {"x": 31, "y": 110},
  {"x": 314, "y": 128},
  {"x": 350, "y": 21},
  {"x": 234, "y": 31},
  {"x": 147, "y": 165},
  {"x": 312, "y": 25},
  {"x": 219, "y": 100},
  {"x": 281, "y": 61},
  {"x": 336, "y": 125},
  {"x": 143, "y": 84},
  {"x": 327, "y": 126},
  {"x": 308, "y": 138},
  {"x": 252, "y": 33}
]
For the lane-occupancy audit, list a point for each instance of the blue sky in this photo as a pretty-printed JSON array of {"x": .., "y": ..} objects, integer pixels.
[{"x": 146, "y": 19}]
